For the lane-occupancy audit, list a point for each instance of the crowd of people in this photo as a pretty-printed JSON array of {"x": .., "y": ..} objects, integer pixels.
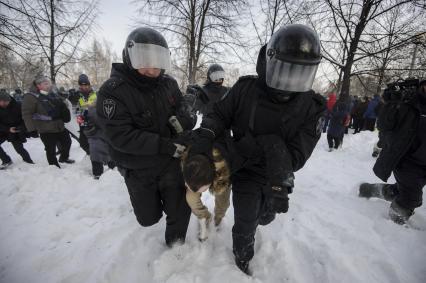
[
  {"x": 252, "y": 138},
  {"x": 357, "y": 114}
]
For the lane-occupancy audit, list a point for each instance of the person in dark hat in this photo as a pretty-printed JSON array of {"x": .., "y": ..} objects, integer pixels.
[
  {"x": 87, "y": 99},
  {"x": 12, "y": 129},
  {"x": 203, "y": 98}
]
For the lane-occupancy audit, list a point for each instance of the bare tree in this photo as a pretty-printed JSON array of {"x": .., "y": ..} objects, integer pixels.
[
  {"x": 387, "y": 36},
  {"x": 96, "y": 62},
  {"x": 348, "y": 22},
  {"x": 49, "y": 29},
  {"x": 275, "y": 14},
  {"x": 18, "y": 71},
  {"x": 201, "y": 28}
]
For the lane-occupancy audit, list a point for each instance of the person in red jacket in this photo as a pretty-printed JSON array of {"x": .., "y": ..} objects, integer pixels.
[{"x": 330, "y": 104}]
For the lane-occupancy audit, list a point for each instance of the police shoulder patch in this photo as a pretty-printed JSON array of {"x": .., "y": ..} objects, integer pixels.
[{"x": 109, "y": 106}]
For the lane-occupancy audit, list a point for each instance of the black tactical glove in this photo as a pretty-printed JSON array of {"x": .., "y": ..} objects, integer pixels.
[
  {"x": 202, "y": 143},
  {"x": 279, "y": 172},
  {"x": 198, "y": 92},
  {"x": 277, "y": 199},
  {"x": 171, "y": 148}
]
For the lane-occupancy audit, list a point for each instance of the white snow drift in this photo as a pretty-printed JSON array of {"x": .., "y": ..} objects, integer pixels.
[{"x": 63, "y": 226}]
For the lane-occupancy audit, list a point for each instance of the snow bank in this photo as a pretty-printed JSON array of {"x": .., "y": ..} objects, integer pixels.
[{"x": 63, "y": 226}]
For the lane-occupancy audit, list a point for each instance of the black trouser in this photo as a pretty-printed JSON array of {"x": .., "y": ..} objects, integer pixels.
[
  {"x": 333, "y": 141},
  {"x": 50, "y": 140},
  {"x": 326, "y": 122},
  {"x": 410, "y": 180},
  {"x": 19, "y": 148},
  {"x": 370, "y": 124},
  {"x": 97, "y": 168},
  {"x": 248, "y": 201},
  {"x": 84, "y": 142},
  {"x": 152, "y": 193},
  {"x": 358, "y": 125}
]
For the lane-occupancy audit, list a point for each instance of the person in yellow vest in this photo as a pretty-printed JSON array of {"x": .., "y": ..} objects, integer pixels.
[{"x": 87, "y": 98}]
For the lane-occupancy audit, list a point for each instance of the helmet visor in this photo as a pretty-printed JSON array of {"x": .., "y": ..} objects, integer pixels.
[
  {"x": 144, "y": 55},
  {"x": 289, "y": 76},
  {"x": 217, "y": 76}
]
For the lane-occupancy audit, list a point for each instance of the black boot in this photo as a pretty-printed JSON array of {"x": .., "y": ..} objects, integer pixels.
[
  {"x": 244, "y": 266},
  {"x": 266, "y": 218},
  {"x": 28, "y": 160},
  {"x": 5, "y": 165},
  {"x": 399, "y": 214},
  {"x": 68, "y": 161}
]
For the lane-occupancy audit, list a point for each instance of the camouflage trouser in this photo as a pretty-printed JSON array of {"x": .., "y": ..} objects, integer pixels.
[{"x": 201, "y": 211}]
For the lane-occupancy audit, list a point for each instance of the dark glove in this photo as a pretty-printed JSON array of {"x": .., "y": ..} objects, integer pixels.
[
  {"x": 278, "y": 160},
  {"x": 32, "y": 134},
  {"x": 277, "y": 199},
  {"x": 170, "y": 148},
  {"x": 198, "y": 92},
  {"x": 202, "y": 143}
]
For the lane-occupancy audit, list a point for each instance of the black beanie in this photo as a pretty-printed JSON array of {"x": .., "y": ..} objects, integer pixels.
[
  {"x": 83, "y": 79},
  {"x": 4, "y": 96}
]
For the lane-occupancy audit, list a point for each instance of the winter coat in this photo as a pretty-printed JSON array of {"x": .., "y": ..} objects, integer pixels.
[
  {"x": 134, "y": 111},
  {"x": 44, "y": 113},
  {"x": 359, "y": 110},
  {"x": 250, "y": 112},
  {"x": 336, "y": 127},
  {"x": 402, "y": 126},
  {"x": 214, "y": 93},
  {"x": 371, "y": 112},
  {"x": 99, "y": 149},
  {"x": 331, "y": 102},
  {"x": 11, "y": 116}
]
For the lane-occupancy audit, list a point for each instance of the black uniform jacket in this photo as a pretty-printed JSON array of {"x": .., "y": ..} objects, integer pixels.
[
  {"x": 402, "y": 125},
  {"x": 134, "y": 111},
  {"x": 253, "y": 114},
  {"x": 11, "y": 116}
]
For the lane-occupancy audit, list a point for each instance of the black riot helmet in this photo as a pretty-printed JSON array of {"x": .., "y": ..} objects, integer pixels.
[
  {"x": 215, "y": 73},
  {"x": 292, "y": 57},
  {"x": 146, "y": 48}
]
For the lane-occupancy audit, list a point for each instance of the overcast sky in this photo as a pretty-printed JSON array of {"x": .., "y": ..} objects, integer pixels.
[{"x": 114, "y": 22}]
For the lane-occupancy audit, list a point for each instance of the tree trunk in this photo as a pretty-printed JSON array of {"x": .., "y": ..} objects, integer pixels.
[
  {"x": 347, "y": 69},
  {"x": 52, "y": 41},
  {"x": 191, "y": 59}
]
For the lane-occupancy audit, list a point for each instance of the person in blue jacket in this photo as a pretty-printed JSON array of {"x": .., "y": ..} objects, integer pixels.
[{"x": 370, "y": 116}]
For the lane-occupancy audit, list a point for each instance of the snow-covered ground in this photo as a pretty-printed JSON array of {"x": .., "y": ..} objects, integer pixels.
[{"x": 63, "y": 226}]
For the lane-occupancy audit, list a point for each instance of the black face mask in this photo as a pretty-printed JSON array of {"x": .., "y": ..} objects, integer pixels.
[
  {"x": 141, "y": 79},
  {"x": 280, "y": 96}
]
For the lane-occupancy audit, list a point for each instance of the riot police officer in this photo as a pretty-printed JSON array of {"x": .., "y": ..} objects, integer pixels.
[
  {"x": 135, "y": 108},
  {"x": 276, "y": 120},
  {"x": 211, "y": 92}
]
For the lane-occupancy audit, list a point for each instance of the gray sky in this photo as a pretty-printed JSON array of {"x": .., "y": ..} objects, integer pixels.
[{"x": 114, "y": 22}]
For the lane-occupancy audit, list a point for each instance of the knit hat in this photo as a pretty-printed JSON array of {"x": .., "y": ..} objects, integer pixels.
[
  {"x": 4, "y": 96},
  {"x": 40, "y": 79},
  {"x": 83, "y": 79}
]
